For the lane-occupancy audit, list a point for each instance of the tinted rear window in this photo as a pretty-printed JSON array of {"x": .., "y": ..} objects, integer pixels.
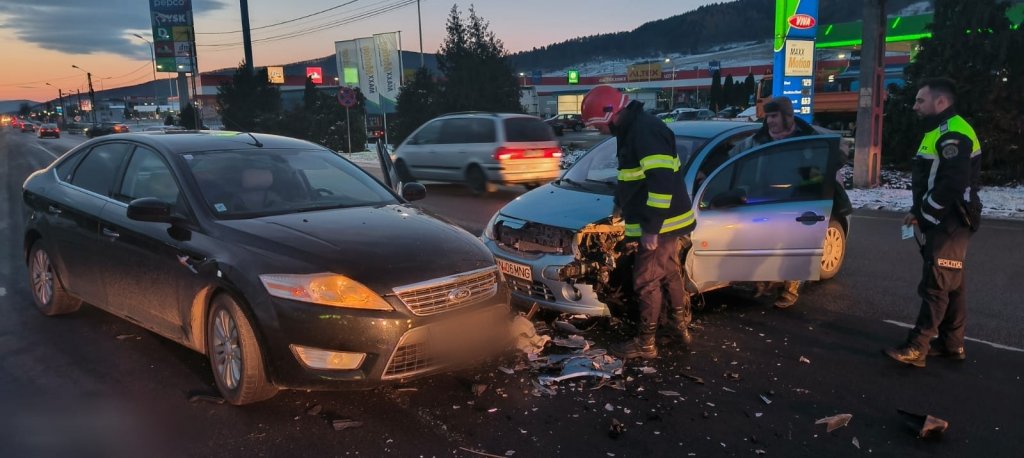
[{"x": 527, "y": 130}]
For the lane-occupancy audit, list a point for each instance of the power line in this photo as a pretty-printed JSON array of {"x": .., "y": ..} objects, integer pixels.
[{"x": 282, "y": 22}]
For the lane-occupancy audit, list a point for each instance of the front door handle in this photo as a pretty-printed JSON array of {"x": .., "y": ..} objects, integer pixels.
[
  {"x": 810, "y": 218},
  {"x": 54, "y": 209},
  {"x": 110, "y": 233}
]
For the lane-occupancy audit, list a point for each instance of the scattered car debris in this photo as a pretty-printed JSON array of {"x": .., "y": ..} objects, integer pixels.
[
  {"x": 128, "y": 336},
  {"x": 694, "y": 379},
  {"x": 926, "y": 426},
  {"x": 202, "y": 397},
  {"x": 856, "y": 443},
  {"x": 668, "y": 393},
  {"x": 616, "y": 429},
  {"x": 525, "y": 335},
  {"x": 573, "y": 341},
  {"x": 765, "y": 399},
  {"x": 835, "y": 422},
  {"x": 732, "y": 376},
  {"x": 648, "y": 370},
  {"x": 479, "y": 388},
  {"x": 314, "y": 410},
  {"x": 567, "y": 327},
  {"x": 805, "y": 360},
  {"x": 506, "y": 370},
  {"x": 477, "y": 452},
  {"x": 342, "y": 424},
  {"x": 541, "y": 390},
  {"x": 728, "y": 389},
  {"x": 609, "y": 407}
]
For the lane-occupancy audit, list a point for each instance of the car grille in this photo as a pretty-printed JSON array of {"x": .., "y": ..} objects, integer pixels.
[
  {"x": 449, "y": 342},
  {"x": 536, "y": 289},
  {"x": 535, "y": 238},
  {"x": 449, "y": 293}
]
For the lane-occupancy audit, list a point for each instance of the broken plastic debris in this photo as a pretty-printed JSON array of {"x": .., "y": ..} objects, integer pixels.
[
  {"x": 728, "y": 389},
  {"x": 342, "y": 424},
  {"x": 758, "y": 414},
  {"x": 572, "y": 342},
  {"x": 525, "y": 334},
  {"x": 765, "y": 399},
  {"x": 574, "y": 367},
  {"x": 510, "y": 452},
  {"x": 805, "y": 360},
  {"x": 669, "y": 393},
  {"x": 609, "y": 407},
  {"x": 694, "y": 379},
  {"x": 732, "y": 376},
  {"x": 314, "y": 410},
  {"x": 479, "y": 388},
  {"x": 205, "y": 398},
  {"x": 616, "y": 429},
  {"x": 541, "y": 390},
  {"x": 856, "y": 443},
  {"x": 835, "y": 422},
  {"x": 127, "y": 336},
  {"x": 927, "y": 426},
  {"x": 506, "y": 370},
  {"x": 567, "y": 327},
  {"x": 648, "y": 370}
]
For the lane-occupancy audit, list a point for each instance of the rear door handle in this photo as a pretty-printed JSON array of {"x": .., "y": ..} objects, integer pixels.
[
  {"x": 54, "y": 210},
  {"x": 110, "y": 232},
  {"x": 810, "y": 217}
]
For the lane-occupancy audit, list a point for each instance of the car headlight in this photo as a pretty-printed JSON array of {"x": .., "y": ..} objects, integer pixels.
[
  {"x": 324, "y": 289},
  {"x": 489, "y": 228}
]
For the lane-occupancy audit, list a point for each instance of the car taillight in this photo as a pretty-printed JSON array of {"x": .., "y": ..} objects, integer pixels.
[{"x": 503, "y": 153}]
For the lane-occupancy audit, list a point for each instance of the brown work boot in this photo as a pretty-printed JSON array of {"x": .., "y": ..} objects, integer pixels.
[
  {"x": 789, "y": 294},
  {"x": 642, "y": 346},
  {"x": 907, "y": 354},
  {"x": 955, "y": 354}
]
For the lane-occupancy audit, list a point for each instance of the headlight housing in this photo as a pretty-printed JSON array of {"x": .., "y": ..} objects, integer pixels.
[
  {"x": 489, "y": 228},
  {"x": 324, "y": 289}
]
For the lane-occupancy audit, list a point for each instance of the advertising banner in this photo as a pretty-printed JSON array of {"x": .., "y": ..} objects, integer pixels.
[
  {"x": 275, "y": 75},
  {"x": 367, "y": 55},
  {"x": 173, "y": 37},
  {"x": 796, "y": 26},
  {"x": 389, "y": 69},
  {"x": 348, "y": 62},
  {"x": 315, "y": 74}
]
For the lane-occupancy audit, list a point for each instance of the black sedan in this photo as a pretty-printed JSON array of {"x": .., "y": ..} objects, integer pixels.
[
  {"x": 286, "y": 264},
  {"x": 105, "y": 128}
]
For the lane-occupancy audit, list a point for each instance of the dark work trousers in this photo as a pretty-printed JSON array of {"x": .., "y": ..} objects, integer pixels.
[
  {"x": 943, "y": 287},
  {"x": 655, "y": 274}
]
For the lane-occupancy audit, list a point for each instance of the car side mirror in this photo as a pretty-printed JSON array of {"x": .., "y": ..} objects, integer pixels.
[
  {"x": 414, "y": 191},
  {"x": 150, "y": 209}
]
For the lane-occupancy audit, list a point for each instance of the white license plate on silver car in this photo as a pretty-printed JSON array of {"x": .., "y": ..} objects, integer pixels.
[{"x": 514, "y": 269}]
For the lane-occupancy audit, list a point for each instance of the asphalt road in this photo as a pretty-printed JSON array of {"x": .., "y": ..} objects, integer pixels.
[{"x": 90, "y": 384}]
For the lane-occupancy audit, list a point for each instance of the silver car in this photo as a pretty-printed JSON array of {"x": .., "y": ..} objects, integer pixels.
[
  {"x": 765, "y": 214},
  {"x": 481, "y": 150}
]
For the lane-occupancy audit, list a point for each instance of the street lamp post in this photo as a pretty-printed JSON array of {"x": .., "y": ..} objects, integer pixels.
[
  {"x": 92, "y": 94},
  {"x": 672, "y": 85},
  {"x": 152, "y": 53},
  {"x": 63, "y": 109},
  {"x": 522, "y": 76}
]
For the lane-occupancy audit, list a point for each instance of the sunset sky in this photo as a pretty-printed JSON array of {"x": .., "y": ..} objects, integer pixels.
[{"x": 42, "y": 39}]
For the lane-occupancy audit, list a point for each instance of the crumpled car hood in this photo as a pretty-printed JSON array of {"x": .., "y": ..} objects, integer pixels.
[{"x": 560, "y": 207}]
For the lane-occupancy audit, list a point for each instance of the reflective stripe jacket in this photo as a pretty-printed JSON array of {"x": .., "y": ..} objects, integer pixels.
[
  {"x": 651, "y": 191},
  {"x": 947, "y": 169}
]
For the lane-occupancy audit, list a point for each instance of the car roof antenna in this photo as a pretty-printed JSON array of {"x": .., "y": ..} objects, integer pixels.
[{"x": 255, "y": 141}]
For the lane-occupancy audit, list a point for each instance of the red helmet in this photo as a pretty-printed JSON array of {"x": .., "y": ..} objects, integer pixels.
[{"x": 601, "y": 103}]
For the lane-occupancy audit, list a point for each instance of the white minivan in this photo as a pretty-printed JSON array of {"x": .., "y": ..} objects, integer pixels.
[{"x": 482, "y": 150}]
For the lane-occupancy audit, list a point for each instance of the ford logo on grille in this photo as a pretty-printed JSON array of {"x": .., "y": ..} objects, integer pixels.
[{"x": 459, "y": 294}]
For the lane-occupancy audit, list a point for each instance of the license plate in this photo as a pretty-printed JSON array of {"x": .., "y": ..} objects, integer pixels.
[
  {"x": 515, "y": 270},
  {"x": 534, "y": 153}
]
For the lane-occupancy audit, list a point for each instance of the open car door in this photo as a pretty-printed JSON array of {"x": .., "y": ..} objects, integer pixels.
[
  {"x": 763, "y": 214},
  {"x": 387, "y": 167}
]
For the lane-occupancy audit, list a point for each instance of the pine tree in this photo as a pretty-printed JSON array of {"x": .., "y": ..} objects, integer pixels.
[
  {"x": 749, "y": 88},
  {"x": 248, "y": 102},
  {"x": 715, "y": 98},
  {"x": 729, "y": 92},
  {"x": 972, "y": 43},
  {"x": 477, "y": 75},
  {"x": 418, "y": 103}
]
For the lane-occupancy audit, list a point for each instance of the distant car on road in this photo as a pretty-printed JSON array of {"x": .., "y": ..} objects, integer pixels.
[
  {"x": 49, "y": 130},
  {"x": 728, "y": 112},
  {"x": 284, "y": 263},
  {"x": 28, "y": 126},
  {"x": 105, "y": 128},
  {"x": 565, "y": 121}
]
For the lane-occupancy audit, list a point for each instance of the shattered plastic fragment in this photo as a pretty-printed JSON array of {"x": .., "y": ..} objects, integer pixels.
[
  {"x": 732, "y": 376},
  {"x": 765, "y": 399},
  {"x": 668, "y": 393},
  {"x": 835, "y": 422},
  {"x": 856, "y": 443},
  {"x": 127, "y": 336},
  {"x": 609, "y": 407},
  {"x": 572, "y": 342},
  {"x": 616, "y": 429},
  {"x": 314, "y": 410},
  {"x": 343, "y": 424},
  {"x": 758, "y": 414},
  {"x": 525, "y": 335},
  {"x": 479, "y": 388},
  {"x": 648, "y": 370},
  {"x": 206, "y": 398},
  {"x": 728, "y": 389},
  {"x": 506, "y": 370},
  {"x": 927, "y": 426},
  {"x": 567, "y": 327},
  {"x": 694, "y": 379},
  {"x": 805, "y": 360}
]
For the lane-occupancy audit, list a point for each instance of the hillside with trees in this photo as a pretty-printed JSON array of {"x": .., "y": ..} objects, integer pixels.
[{"x": 688, "y": 33}]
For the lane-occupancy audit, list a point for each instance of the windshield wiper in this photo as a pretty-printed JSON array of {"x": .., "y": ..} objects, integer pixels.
[
  {"x": 606, "y": 183},
  {"x": 322, "y": 207},
  {"x": 570, "y": 181}
]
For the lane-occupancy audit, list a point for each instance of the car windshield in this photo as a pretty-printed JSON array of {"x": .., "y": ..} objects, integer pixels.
[
  {"x": 523, "y": 129},
  {"x": 253, "y": 183},
  {"x": 600, "y": 164}
]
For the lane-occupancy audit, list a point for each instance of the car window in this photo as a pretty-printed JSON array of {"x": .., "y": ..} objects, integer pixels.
[
  {"x": 147, "y": 175},
  {"x": 718, "y": 156},
  {"x": 467, "y": 130},
  {"x": 430, "y": 134},
  {"x": 98, "y": 169},
  {"x": 523, "y": 129},
  {"x": 67, "y": 166},
  {"x": 787, "y": 172},
  {"x": 601, "y": 163},
  {"x": 253, "y": 183}
]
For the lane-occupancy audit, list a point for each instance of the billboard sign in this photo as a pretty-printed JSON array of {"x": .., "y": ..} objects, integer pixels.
[
  {"x": 315, "y": 74},
  {"x": 173, "y": 37},
  {"x": 796, "y": 26},
  {"x": 275, "y": 75}
]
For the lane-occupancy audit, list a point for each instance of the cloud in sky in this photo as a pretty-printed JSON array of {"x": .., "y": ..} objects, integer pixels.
[{"x": 87, "y": 27}]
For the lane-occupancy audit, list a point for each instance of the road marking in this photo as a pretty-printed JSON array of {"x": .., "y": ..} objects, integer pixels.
[
  {"x": 992, "y": 344},
  {"x": 55, "y": 156}
]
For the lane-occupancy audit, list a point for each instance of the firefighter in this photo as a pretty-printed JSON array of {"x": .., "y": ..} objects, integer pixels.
[
  {"x": 652, "y": 199},
  {"x": 946, "y": 171}
]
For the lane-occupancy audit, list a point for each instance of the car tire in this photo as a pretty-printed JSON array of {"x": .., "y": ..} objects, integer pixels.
[
  {"x": 834, "y": 250},
  {"x": 577, "y": 128},
  {"x": 48, "y": 293},
  {"x": 402, "y": 170},
  {"x": 476, "y": 179},
  {"x": 235, "y": 354}
]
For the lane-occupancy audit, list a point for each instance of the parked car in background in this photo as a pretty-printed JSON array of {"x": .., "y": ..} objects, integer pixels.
[
  {"x": 565, "y": 121},
  {"x": 105, "y": 128},
  {"x": 749, "y": 114},
  {"x": 482, "y": 150},
  {"x": 770, "y": 213},
  {"x": 284, "y": 263},
  {"x": 728, "y": 112},
  {"x": 28, "y": 126},
  {"x": 694, "y": 114},
  {"x": 49, "y": 130}
]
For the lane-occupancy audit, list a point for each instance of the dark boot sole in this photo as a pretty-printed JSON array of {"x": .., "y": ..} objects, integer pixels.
[{"x": 949, "y": 356}]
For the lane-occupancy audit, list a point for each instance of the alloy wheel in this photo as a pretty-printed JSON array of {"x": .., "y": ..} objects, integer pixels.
[
  {"x": 227, "y": 351},
  {"x": 833, "y": 250},
  {"x": 42, "y": 277}
]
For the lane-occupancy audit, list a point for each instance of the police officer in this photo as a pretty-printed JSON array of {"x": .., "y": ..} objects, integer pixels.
[
  {"x": 651, "y": 195},
  {"x": 946, "y": 171}
]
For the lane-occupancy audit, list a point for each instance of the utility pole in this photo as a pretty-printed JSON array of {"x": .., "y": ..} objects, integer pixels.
[
  {"x": 63, "y": 109},
  {"x": 246, "y": 36},
  {"x": 868, "y": 156},
  {"x": 92, "y": 94},
  {"x": 152, "y": 53},
  {"x": 419, "y": 20}
]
